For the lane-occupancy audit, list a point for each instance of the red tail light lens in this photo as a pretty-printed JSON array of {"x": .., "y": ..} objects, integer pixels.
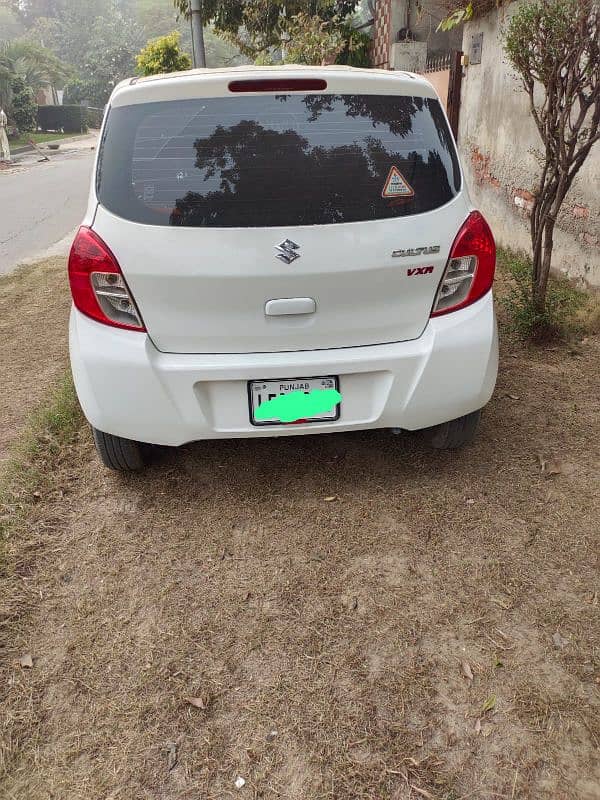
[
  {"x": 97, "y": 284},
  {"x": 469, "y": 273},
  {"x": 278, "y": 85}
]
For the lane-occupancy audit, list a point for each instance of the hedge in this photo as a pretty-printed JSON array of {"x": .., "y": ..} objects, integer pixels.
[
  {"x": 94, "y": 117},
  {"x": 70, "y": 119}
]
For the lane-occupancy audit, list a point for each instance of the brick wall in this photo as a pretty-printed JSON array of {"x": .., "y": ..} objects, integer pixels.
[{"x": 380, "y": 53}]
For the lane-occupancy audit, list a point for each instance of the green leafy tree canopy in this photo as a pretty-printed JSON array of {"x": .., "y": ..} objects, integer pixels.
[
  {"x": 256, "y": 26},
  {"x": 163, "y": 55}
]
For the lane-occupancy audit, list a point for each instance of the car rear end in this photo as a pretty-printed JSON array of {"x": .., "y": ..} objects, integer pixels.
[{"x": 257, "y": 232}]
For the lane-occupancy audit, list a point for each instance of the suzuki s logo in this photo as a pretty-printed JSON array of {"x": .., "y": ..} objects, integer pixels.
[
  {"x": 417, "y": 251},
  {"x": 419, "y": 271},
  {"x": 287, "y": 251}
]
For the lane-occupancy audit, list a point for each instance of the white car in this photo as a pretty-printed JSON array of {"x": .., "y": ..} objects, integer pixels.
[{"x": 279, "y": 251}]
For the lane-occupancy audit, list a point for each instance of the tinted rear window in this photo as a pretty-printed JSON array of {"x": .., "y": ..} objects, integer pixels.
[{"x": 277, "y": 160}]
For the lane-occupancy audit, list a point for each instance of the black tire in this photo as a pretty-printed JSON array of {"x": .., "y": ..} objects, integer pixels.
[
  {"x": 122, "y": 455},
  {"x": 455, "y": 433}
]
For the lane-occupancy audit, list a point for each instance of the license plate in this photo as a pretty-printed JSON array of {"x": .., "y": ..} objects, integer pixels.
[{"x": 260, "y": 392}]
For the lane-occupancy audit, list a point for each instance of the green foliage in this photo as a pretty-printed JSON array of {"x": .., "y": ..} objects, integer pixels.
[
  {"x": 312, "y": 40},
  {"x": 98, "y": 40},
  {"x": 456, "y": 17},
  {"x": 541, "y": 34},
  {"x": 36, "y": 65},
  {"x": 69, "y": 118},
  {"x": 256, "y": 26},
  {"x": 10, "y": 25},
  {"x": 23, "y": 109},
  {"x": 163, "y": 55},
  {"x": 563, "y": 302},
  {"x": 459, "y": 12},
  {"x": 357, "y": 47},
  {"x": 94, "y": 117}
]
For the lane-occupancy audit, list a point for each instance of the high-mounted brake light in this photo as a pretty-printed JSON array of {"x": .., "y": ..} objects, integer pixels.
[
  {"x": 278, "y": 85},
  {"x": 97, "y": 283},
  {"x": 469, "y": 273}
]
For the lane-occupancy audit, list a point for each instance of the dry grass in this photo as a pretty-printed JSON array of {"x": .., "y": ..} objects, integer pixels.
[
  {"x": 34, "y": 305},
  {"x": 222, "y": 574}
]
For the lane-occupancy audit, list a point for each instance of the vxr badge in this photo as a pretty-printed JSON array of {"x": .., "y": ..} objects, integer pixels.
[{"x": 287, "y": 251}]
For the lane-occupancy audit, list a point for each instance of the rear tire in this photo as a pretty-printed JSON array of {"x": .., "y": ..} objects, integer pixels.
[
  {"x": 117, "y": 453},
  {"x": 455, "y": 433}
]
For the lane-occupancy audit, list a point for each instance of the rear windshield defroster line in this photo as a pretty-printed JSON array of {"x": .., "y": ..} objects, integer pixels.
[{"x": 277, "y": 160}]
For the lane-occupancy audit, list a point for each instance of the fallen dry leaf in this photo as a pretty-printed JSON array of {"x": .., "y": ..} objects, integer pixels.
[
  {"x": 422, "y": 792},
  {"x": 331, "y": 498},
  {"x": 26, "y": 661},
  {"x": 499, "y": 601},
  {"x": 490, "y": 704},
  {"x": 552, "y": 467},
  {"x": 559, "y": 641},
  {"x": 467, "y": 671},
  {"x": 555, "y": 466},
  {"x": 197, "y": 702}
]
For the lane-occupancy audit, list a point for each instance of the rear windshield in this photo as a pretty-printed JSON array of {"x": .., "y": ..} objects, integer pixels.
[{"x": 277, "y": 160}]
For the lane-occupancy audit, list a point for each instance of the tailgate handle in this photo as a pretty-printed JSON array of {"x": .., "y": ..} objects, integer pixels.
[{"x": 290, "y": 305}]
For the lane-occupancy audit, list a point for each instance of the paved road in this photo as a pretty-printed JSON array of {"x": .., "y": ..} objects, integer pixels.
[{"x": 42, "y": 203}]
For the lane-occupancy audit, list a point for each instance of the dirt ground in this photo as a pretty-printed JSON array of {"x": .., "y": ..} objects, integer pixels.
[{"x": 430, "y": 632}]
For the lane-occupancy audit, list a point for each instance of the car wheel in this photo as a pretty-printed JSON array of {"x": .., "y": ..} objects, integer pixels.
[
  {"x": 455, "y": 433},
  {"x": 122, "y": 455}
]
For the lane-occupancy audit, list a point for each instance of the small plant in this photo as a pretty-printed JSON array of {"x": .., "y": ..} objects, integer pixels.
[
  {"x": 558, "y": 318},
  {"x": 163, "y": 55}
]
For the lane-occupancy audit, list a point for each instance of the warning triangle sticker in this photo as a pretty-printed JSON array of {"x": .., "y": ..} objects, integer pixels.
[{"x": 396, "y": 185}]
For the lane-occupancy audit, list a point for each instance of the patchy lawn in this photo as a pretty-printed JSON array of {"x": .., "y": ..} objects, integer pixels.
[
  {"x": 432, "y": 631},
  {"x": 34, "y": 308},
  {"x": 39, "y": 138}
]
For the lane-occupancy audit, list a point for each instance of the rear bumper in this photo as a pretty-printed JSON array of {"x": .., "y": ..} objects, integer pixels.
[{"x": 128, "y": 388}]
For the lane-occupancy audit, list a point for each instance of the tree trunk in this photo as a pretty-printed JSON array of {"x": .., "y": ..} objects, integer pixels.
[{"x": 540, "y": 287}]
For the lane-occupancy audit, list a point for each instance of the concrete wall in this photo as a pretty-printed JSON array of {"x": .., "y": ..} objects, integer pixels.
[
  {"x": 423, "y": 22},
  {"x": 497, "y": 137}
]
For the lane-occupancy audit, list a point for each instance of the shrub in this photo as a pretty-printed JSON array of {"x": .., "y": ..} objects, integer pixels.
[
  {"x": 558, "y": 318},
  {"x": 94, "y": 117},
  {"x": 23, "y": 107},
  {"x": 163, "y": 55}
]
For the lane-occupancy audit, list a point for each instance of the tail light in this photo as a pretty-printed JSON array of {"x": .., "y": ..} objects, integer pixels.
[
  {"x": 98, "y": 286},
  {"x": 469, "y": 273},
  {"x": 278, "y": 85}
]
